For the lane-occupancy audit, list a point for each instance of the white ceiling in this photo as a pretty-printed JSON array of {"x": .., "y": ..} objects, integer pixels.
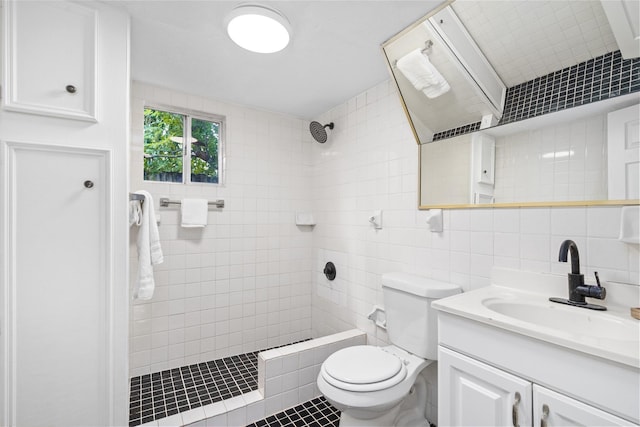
[
  {"x": 528, "y": 39},
  {"x": 334, "y": 55},
  {"x": 335, "y": 51}
]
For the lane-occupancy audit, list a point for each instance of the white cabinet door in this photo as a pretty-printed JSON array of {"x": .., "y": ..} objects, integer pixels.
[
  {"x": 56, "y": 309},
  {"x": 50, "y": 58},
  {"x": 623, "y": 146},
  {"x": 624, "y": 18},
  {"x": 551, "y": 409},
  {"x": 471, "y": 393}
]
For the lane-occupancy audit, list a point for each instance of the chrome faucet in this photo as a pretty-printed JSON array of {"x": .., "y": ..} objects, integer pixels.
[{"x": 577, "y": 288}]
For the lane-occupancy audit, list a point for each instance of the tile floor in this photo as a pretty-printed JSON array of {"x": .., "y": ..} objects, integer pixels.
[
  {"x": 162, "y": 394},
  {"x": 314, "y": 413},
  {"x": 165, "y": 393}
]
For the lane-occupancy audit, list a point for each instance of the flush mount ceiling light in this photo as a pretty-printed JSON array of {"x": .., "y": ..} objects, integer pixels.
[{"x": 258, "y": 28}]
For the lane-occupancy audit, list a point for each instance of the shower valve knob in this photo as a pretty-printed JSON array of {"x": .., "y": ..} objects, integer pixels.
[{"x": 330, "y": 270}]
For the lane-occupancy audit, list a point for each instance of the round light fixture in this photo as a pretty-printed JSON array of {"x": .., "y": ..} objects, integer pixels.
[{"x": 258, "y": 28}]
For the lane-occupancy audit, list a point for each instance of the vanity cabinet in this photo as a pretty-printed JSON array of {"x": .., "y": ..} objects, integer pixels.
[
  {"x": 50, "y": 59},
  {"x": 568, "y": 366},
  {"x": 473, "y": 393},
  {"x": 555, "y": 409}
]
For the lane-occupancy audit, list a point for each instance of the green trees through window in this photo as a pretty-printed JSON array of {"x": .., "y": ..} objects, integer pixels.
[
  {"x": 204, "y": 150},
  {"x": 166, "y": 146}
]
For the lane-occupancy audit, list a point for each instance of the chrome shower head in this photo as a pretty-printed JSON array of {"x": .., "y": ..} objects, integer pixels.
[{"x": 318, "y": 132}]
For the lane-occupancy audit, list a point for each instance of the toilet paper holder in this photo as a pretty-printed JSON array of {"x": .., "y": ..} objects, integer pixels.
[{"x": 378, "y": 317}]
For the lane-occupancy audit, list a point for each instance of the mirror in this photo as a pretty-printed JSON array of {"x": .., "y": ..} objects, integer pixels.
[{"x": 510, "y": 118}]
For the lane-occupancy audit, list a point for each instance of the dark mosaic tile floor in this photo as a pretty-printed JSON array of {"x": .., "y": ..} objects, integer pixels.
[
  {"x": 165, "y": 393},
  {"x": 161, "y": 394},
  {"x": 314, "y": 413}
]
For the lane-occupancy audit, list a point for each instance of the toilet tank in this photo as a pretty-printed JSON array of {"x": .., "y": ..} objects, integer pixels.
[{"x": 411, "y": 322}]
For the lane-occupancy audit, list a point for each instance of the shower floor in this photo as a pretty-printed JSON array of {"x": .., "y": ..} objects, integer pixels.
[{"x": 169, "y": 392}]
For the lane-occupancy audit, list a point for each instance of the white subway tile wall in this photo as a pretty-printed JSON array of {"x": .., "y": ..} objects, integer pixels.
[
  {"x": 571, "y": 163},
  {"x": 242, "y": 283},
  {"x": 370, "y": 162}
]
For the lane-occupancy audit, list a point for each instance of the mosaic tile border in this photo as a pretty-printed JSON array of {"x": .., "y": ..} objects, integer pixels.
[
  {"x": 450, "y": 133},
  {"x": 600, "y": 78},
  {"x": 597, "y": 79}
]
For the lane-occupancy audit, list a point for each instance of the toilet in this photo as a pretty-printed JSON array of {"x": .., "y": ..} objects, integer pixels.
[{"x": 383, "y": 386}]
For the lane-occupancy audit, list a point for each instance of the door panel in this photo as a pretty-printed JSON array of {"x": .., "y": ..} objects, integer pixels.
[
  {"x": 562, "y": 410},
  {"x": 623, "y": 142},
  {"x": 474, "y": 394},
  {"x": 58, "y": 295}
]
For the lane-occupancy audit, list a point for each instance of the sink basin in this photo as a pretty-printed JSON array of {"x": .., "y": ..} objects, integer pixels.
[
  {"x": 574, "y": 320},
  {"x": 518, "y": 301}
]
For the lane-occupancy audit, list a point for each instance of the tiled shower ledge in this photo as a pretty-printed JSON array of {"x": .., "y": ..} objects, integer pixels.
[
  {"x": 162, "y": 394},
  {"x": 274, "y": 366},
  {"x": 313, "y": 413}
]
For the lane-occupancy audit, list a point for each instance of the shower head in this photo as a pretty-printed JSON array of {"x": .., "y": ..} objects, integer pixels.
[{"x": 318, "y": 133}]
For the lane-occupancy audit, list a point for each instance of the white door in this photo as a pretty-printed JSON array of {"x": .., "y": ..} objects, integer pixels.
[
  {"x": 553, "y": 409},
  {"x": 56, "y": 298},
  {"x": 623, "y": 142},
  {"x": 471, "y": 393}
]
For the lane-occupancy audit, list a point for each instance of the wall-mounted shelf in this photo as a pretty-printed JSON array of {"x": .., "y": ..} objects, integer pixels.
[{"x": 305, "y": 218}]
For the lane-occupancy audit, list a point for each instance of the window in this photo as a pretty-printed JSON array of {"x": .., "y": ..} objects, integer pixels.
[{"x": 181, "y": 147}]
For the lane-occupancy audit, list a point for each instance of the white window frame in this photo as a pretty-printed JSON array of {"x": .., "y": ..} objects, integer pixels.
[{"x": 186, "y": 145}]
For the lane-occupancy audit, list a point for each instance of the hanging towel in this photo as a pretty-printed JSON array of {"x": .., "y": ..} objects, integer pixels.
[
  {"x": 630, "y": 224},
  {"x": 135, "y": 212},
  {"x": 149, "y": 250},
  {"x": 421, "y": 73},
  {"x": 194, "y": 212}
]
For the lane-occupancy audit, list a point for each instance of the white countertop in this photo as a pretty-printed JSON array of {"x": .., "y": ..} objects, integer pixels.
[{"x": 611, "y": 334}]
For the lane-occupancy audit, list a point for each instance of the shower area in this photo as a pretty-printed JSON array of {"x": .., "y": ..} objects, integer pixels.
[{"x": 238, "y": 286}]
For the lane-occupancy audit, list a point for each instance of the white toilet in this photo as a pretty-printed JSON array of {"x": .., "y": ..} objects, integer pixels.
[{"x": 382, "y": 386}]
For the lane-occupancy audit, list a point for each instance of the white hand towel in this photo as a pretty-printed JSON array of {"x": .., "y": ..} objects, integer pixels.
[
  {"x": 436, "y": 90},
  {"x": 135, "y": 212},
  {"x": 194, "y": 212},
  {"x": 149, "y": 250},
  {"x": 421, "y": 73}
]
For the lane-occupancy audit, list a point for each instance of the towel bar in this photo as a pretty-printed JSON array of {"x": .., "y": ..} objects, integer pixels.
[
  {"x": 425, "y": 51},
  {"x": 134, "y": 196},
  {"x": 165, "y": 202}
]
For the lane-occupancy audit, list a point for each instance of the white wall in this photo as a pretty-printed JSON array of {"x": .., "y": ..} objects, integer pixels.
[
  {"x": 371, "y": 162},
  {"x": 446, "y": 171},
  {"x": 580, "y": 176},
  {"x": 243, "y": 283}
]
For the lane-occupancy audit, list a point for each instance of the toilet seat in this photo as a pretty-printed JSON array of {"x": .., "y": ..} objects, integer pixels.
[{"x": 363, "y": 368}]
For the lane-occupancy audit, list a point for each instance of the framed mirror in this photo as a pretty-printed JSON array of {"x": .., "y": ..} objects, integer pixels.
[{"x": 520, "y": 104}]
